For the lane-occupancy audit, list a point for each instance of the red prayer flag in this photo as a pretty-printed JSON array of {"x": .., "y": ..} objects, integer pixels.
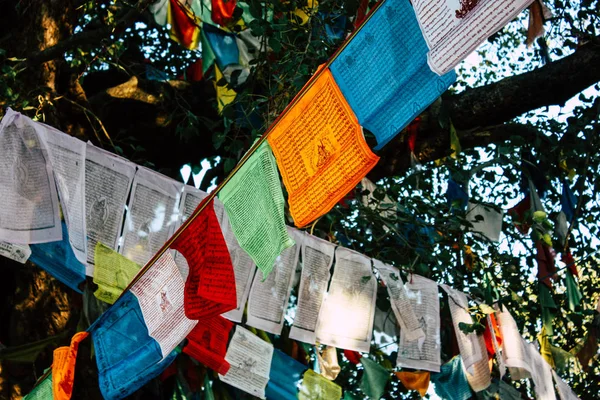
[
  {"x": 210, "y": 286},
  {"x": 487, "y": 335},
  {"x": 184, "y": 28},
  {"x": 353, "y": 356},
  {"x": 222, "y": 11},
  {"x": 569, "y": 261},
  {"x": 207, "y": 343},
  {"x": 546, "y": 264},
  {"x": 518, "y": 215}
]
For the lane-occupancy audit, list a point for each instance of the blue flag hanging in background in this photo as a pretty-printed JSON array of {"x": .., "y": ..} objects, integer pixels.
[
  {"x": 383, "y": 72},
  {"x": 568, "y": 201},
  {"x": 126, "y": 355},
  {"x": 284, "y": 377},
  {"x": 58, "y": 259},
  {"x": 223, "y": 46}
]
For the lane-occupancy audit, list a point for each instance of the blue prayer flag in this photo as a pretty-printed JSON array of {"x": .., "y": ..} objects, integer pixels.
[
  {"x": 383, "y": 72},
  {"x": 223, "y": 45},
  {"x": 451, "y": 382},
  {"x": 126, "y": 355},
  {"x": 58, "y": 259},
  {"x": 568, "y": 202},
  {"x": 284, "y": 377},
  {"x": 456, "y": 193}
]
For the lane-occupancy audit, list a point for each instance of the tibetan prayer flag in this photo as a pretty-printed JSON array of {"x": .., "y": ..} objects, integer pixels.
[
  {"x": 374, "y": 378},
  {"x": 320, "y": 150},
  {"x": 492, "y": 335},
  {"x": 225, "y": 95},
  {"x": 59, "y": 260},
  {"x": 210, "y": 287},
  {"x": 574, "y": 295},
  {"x": 486, "y": 220},
  {"x": 42, "y": 390},
  {"x": 63, "y": 368},
  {"x": 254, "y": 203},
  {"x": 222, "y": 11},
  {"x": 500, "y": 390},
  {"x": 185, "y": 26},
  {"x": 316, "y": 387},
  {"x": 328, "y": 363},
  {"x": 545, "y": 262},
  {"x": 112, "y": 273},
  {"x": 284, "y": 376},
  {"x": 456, "y": 195},
  {"x": 521, "y": 215},
  {"x": 453, "y": 29},
  {"x": 568, "y": 202},
  {"x": 223, "y": 45},
  {"x": 383, "y": 72},
  {"x": 451, "y": 382},
  {"x": 418, "y": 381},
  {"x": 208, "y": 55},
  {"x": 126, "y": 355},
  {"x": 207, "y": 343}
]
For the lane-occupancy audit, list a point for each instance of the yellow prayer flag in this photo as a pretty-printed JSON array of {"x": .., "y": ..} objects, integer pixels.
[
  {"x": 320, "y": 150},
  {"x": 418, "y": 381},
  {"x": 224, "y": 95},
  {"x": 316, "y": 387},
  {"x": 112, "y": 273}
]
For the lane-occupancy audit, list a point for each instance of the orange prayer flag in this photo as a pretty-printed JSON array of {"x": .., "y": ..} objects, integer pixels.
[
  {"x": 320, "y": 150},
  {"x": 63, "y": 368},
  {"x": 418, "y": 381}
]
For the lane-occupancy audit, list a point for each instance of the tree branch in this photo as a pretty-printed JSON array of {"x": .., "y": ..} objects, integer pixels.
[{"x": 95, "y": 36}]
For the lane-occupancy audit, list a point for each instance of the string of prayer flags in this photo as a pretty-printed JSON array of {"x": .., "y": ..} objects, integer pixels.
[
  {"x": 346, "y": 317},
  {"x": 424, "y": 301},
  {"x": 207, "y": 343},
  {"x": 383, "y": 72},
  {"x": 328, "y": 362},
  {"x": 112, "y": 273},
  {"x": 30, "y": 208},
  {"x": 210, "y": 287},
  {"x": 58, "y": 259},
  {"x": 451, "y": 382},
  {"x": 67, "y": 155},
  {"x": 320, "y": 150},
  {"x": 222, "y": 11},
  {"x": 108, "y": 179},
  {"x": 254, "y": 203},
  {"x": 374, "y": 378},
  {"x": 472, "y": 346},
  {"x": 42, "y": 390},
  {"x": 63, "y": 368},
  {"x": 185, "y": 26},
  {"x": 418, "y": 381},
  {"x": 486, "y": 220},
  {"x": 401, "y": 305},
  {"x": 269, "y": 298},
  {"x": 284, "y": 377},
  {"x": 152, "y": 213},
  {"x": 126, "y": 355},
  {"x": 160, "y": 295},
  {"x": 250, "y": 359},
  {"x": 521, "y": 215},
  {"x": 454, "y": 29},
  {"x": 314, "y": 386},
  {"x": 317, "y": 258}
]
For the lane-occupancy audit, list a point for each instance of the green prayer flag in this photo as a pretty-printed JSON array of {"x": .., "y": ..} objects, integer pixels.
[
  {"x": 255, "y": 206},
  {"x": 112, "y": 273},
  {"x": 451, "y": 382},
  {"x": 208, "y": 392},
  {"x": 374, "y": 378},
  {"x": 43, "y": 391},
  {"x": 499, "y": 390},
  {"x": 27, "y": 353},
  {"x": 548, "y": 309},
  {"x": 573, "y": 294},
  {"x": 561, "y": 358}
]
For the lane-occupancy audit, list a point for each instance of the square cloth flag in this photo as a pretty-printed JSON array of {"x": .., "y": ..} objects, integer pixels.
[
  {"x": 320, "y": 150},
  {"x": 383, "y": 72},
  {"x": 254, "y": 203}
]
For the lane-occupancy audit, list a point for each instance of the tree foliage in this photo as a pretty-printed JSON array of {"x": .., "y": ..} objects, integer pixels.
[{"x": 519, "y": 112}]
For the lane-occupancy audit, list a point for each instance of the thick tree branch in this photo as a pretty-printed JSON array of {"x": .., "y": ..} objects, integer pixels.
[{"x": 95, "y": 36}]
